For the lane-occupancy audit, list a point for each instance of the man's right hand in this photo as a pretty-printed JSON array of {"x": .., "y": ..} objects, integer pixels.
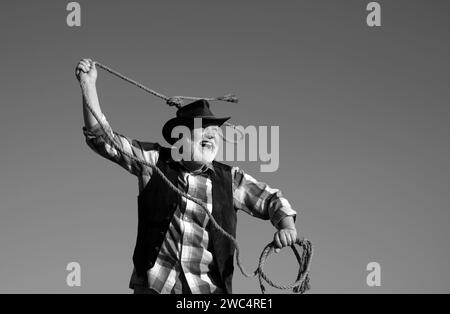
[{"x": 86, "y": 72}]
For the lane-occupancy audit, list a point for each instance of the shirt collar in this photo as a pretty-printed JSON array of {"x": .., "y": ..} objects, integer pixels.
[{"x": 205, "y": 169}]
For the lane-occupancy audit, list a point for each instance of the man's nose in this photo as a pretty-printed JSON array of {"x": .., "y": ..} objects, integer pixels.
[{"x": 209, "y": 135}]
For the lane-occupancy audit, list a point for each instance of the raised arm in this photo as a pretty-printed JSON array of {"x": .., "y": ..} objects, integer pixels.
[
  {"x": 86, "y": 74},
  {"x": 97, "y": 140}
]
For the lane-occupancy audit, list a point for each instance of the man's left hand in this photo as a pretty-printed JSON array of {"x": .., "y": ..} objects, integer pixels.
[{"x": 284, "y": 237}]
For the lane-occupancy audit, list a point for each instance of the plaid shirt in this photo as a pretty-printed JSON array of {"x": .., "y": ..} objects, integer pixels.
[{"x": 185, "y": 252}]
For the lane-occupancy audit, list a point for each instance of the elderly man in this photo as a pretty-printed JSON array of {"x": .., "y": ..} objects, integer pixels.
[{"x": 177, "y": 249}]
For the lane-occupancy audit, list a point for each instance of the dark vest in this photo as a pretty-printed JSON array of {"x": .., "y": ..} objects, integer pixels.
[{"x": 157, "y": 204}]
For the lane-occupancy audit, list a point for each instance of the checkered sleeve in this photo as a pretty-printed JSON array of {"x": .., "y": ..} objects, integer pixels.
[
  {"x": 99, "y": 143},
  {"x": 258, "y": 199}
]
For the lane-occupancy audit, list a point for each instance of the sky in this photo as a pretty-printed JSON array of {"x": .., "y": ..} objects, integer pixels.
[{"x": 363, "y": 121}]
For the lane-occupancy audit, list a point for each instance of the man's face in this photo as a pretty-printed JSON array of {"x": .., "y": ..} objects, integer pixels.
[{"x": 204, "y": 144}]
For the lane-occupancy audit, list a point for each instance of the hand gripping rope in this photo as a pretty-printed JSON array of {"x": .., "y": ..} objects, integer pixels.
[{"x": 304, "y": 260}]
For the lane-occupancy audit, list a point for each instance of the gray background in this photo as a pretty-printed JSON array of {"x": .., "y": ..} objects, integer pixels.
[{"x": 363, "y": 114}]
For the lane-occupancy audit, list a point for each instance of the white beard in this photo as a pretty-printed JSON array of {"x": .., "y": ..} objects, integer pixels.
[{"x": 205, "y": 155}]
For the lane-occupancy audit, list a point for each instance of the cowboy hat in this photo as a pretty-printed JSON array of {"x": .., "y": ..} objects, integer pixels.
[{"x": 185, "y": 116}]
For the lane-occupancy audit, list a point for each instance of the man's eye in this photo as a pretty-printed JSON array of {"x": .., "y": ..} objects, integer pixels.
[{"x": 213, "y": 129}]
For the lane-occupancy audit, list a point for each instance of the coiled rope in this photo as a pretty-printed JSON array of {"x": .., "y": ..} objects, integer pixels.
[{"x": 302, "y": 282}]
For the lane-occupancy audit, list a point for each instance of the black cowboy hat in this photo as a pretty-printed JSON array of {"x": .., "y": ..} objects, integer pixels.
[{"x": 185, "y": 116}]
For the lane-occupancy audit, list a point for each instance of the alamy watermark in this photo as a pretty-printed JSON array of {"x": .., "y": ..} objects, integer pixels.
[
  {"x": 73, "y": 278},
  {"x": 251, "y": 143},
  {"x": 74, "y": 16},
  {"x": 374, "y": 17},
  {"x": 373, "y": 278}
]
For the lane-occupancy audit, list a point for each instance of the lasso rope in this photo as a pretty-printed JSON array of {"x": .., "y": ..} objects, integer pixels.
[
  {"x": 176, "y": 101},
  {"x": 302, "y": 282}
]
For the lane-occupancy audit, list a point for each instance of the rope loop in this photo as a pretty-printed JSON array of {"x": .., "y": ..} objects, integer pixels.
[
  {"x": 176, "y": 101},
  {"x": 301, "y": 285}
]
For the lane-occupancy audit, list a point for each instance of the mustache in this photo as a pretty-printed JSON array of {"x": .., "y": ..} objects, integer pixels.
[{"x": 206, "y": 141}]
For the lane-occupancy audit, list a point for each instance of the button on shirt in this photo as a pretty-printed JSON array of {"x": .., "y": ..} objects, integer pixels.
[{"x": 185, "y": 250}]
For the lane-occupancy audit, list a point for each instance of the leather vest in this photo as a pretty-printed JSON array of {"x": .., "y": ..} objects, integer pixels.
[{"x": 157, "y": 204}]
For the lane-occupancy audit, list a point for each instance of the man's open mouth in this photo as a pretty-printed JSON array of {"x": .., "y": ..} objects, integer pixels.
[{"x": 207, "y": 144}]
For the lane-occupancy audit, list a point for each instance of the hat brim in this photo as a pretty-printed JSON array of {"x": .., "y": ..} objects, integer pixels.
[{"x": 206, "y": 121}]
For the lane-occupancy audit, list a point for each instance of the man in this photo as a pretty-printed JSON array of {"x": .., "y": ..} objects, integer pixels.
[{"x": 177, "y": 248}]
